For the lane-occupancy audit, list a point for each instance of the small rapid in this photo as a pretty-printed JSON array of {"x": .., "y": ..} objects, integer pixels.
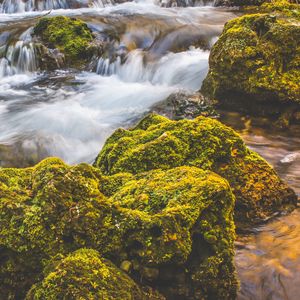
[
  {"x": 156, "y": 51},
  {"x": 18, "y": 57},
  {"x": 70, "y": 113}
]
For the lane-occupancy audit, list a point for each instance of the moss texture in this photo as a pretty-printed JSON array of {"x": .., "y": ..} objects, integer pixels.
[
  {"x": 158, "y": 143},
  {"x": 45, "y": 210},
  {"x": 255, "y": 64},
  {"x": 180, "y": 231},
  {"x": 70, "y": 36},
  {"x": 84, "y": 274},
  {"x": 173, "y": 229}
]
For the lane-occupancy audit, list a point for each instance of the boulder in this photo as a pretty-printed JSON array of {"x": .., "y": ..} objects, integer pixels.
[
  {"x": 159, "y": 143},
  {"x": 254, "y": 67},
  {"x": 84, "y": 274},
  {"x": 63, "y": 36},
  {"x": 170, "y": 229}
]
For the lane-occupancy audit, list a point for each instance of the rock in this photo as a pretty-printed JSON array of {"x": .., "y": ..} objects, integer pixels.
[
  {"x": 184, "y": 105},
  {"x": 238, "y": 2},
  {"x": 254, "y": 66},
  {"x": 126, "y": 266},
  {"x": 84, "y": 274},
  {"x": 180, "y": 217},
  {"x": 69, "y": 37},
  {"x": 150, "y": 274},
  {"x": 48, "y": 209},
  {"x": 158, "y": 143}
]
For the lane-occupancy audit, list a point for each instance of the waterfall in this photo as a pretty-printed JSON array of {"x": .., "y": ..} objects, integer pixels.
[
  {"x": 19, "y": 58},
  {"x": 169, "y": 70},
  {"x": 20, "y": 6},
  {"x": 102, "y": 3}
]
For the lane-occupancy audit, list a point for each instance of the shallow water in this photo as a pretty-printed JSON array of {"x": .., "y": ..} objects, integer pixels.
[
  {"x": 268, "y": 260},
  {"x": 69, "y": 113}
]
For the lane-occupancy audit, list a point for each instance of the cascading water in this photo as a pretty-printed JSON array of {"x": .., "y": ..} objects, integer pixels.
[
  {"x": 70, "y": 113},
  {"x": 20, "y": 6},
  {"x": 19, "y": 57}
]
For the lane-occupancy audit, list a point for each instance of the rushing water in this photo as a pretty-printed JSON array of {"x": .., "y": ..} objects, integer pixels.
[{"x": 157, "y": 51}]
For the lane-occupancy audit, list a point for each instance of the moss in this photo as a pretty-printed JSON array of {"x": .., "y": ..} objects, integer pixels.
[
  {"x": 207, "y": 144},
  {"x": 48, "y": 209},
  {"x": 70, "y": 36},
  {"x": 254, "y": 66},
  {"x": 179, "y": 218},
  {"x": 84, "y": 274}
]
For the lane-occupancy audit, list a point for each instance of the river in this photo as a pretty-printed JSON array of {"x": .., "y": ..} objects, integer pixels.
[{"x": 70, "y": 113}]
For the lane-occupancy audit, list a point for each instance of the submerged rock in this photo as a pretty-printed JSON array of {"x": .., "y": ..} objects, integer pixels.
[
  {"x": 84, "y": 274},
  {"x": 255, "y": 64},
  {"x": 173, "y": 229},
  {"x": 158, "y": 143},
  {"x": 65, "y": 36}
]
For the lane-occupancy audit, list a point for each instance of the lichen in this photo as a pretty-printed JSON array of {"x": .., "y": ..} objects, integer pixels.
[
  {"x": 204, "y": 143},
  {"x": 254, "y": 66},
  {"x": 70, "y": 36}
]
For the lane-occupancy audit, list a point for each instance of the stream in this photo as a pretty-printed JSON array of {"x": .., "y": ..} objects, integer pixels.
[{"x": 154, "y": 52}]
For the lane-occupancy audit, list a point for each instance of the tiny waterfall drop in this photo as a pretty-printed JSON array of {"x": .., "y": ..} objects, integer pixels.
[
  {"x": 19, "y": 6},
  {"x": 19, "y": 57}
]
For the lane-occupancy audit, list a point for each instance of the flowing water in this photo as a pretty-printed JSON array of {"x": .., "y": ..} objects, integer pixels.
[{"x": 152, "y": 52}]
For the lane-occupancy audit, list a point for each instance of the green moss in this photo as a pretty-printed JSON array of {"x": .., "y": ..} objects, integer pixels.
[
  {"x": 254, "y": 66},
  {"x": 167, "y": 224},
  {"x": 84, "y": 274},
  {"x": 49, "y": 209},
  {"x": 207, "y": 144},
  {"x": 70, "y": 36},
  {"x": 180, "y": 219}
]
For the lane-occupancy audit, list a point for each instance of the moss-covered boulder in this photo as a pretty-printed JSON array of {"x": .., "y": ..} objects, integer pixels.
[
  {"x": 84, "y": 274},
  {"x": 158, "y": 143},
  {"x": 179, "y": 232},
  {"x": 169, "y": 229},
  {"x": 49, "y": 209},
  {"x": 254, "y": 67},
  {"x": 70, "y": 36}
]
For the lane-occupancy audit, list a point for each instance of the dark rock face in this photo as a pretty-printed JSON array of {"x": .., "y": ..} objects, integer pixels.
[
  {"x": 254, "y": 66},
  {"x": 184, "y": 105},
  {"x": 238, "y": 2},
  {"x": 158, "y": 143}
]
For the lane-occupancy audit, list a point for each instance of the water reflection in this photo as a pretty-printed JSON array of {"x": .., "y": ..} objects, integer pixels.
[{"x": 268, "y": 261}]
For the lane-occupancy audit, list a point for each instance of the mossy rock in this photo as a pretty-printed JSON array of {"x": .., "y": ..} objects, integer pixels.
[
  {"x": 179, "y": 232},
  {"x": 159, "y": 143},
  {"x": 254, "y": 67},
  {"x": 70, "y": 36},
  {"x": 84, "y": 274},
  {"x": 174, "y": 227},
  {"x": 48, "y": 209}
]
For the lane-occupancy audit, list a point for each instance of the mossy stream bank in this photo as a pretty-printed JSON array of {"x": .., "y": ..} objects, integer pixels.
[{"x": 159, "y": 205}]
